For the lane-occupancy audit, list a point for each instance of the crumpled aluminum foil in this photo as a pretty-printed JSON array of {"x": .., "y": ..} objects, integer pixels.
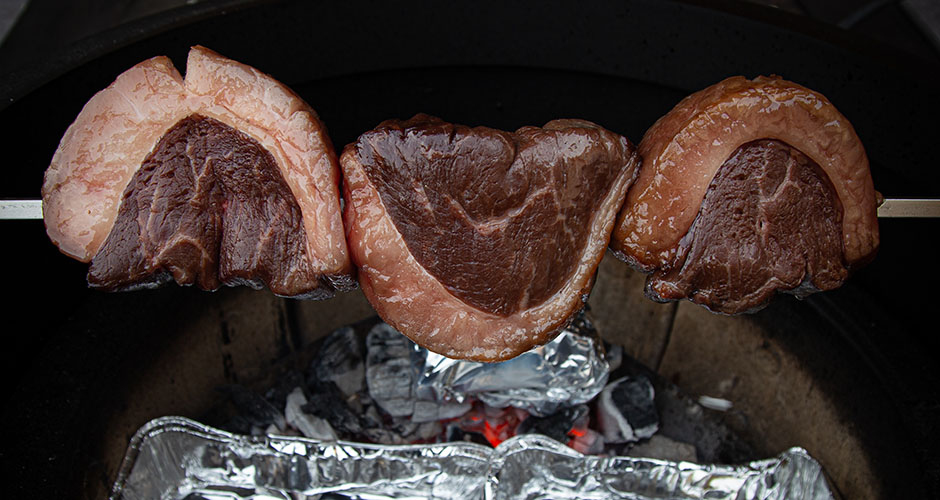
[
  {"x": 176, "y": 458},
  {"x": 567, "y": 371}
]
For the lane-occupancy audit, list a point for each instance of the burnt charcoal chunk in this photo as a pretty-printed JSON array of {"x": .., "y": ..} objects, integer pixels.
[
  {"x": 770, "y": 220},
  {"x": 286, "y": 384},
  {"x": 340, "y": 360},
  {"x": 456, "y": 434},
  {"x": 557, "y": 425},
  {"x": 207, "y": 207},
  {"x": 499, "y": 218},
  {"x": 327, "y": 402},
  {"x": 252, "y": 408},
  {"x": 626, "y": 410}
]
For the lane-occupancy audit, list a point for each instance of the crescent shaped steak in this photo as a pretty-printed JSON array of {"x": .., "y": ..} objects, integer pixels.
[
  {"x": 749, "y": 187},
  {"x": 225, "y": 177},
  {"x": 477, "y": 243}
]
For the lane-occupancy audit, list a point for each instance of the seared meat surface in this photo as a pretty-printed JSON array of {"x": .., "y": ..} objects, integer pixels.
[
  {"x": 224, "y": 177},
  {"x": 725, "y": 221},
  {"x": 479, "y": 243},
  {"x": 770, "y": 221}
]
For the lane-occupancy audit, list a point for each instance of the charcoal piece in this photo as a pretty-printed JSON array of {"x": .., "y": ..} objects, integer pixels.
[
  {"x": 682, "y": 419},
  {"x": 557, "y": 425},
  {"x": 255, "y": 409},
  {"x": 326, "y": 401},
  {"x": 340, "y": 360},
  {"x": 626, "y": 410},
  {"x": 426, "y": 432},
  {"x": 455, "y": 433},
  {"x": 277, "y": 395},
  {"x": 370, "y": 416},
  {"x": 309, "y": 425},
  {"x": 588, "y": 442}
]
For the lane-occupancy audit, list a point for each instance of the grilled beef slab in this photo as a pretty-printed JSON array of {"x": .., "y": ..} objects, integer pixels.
[
  {"x": 224, "y": 177},
  {"x": 477, "y": 243},
  {"x": 749, "y": 187}
]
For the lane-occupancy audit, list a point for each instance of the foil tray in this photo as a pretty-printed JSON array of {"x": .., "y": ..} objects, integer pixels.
[{"x": 177, "y": 458}]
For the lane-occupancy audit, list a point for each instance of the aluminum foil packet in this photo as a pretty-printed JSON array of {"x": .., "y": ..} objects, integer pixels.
[
  {"x": 570, "y": 370},
  {"x": 175, "y": 458}
]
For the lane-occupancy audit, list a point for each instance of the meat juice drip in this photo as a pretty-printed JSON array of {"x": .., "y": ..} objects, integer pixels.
[
  {"x": 208, "y": 207},
  {"x": 770, "y": 221}
]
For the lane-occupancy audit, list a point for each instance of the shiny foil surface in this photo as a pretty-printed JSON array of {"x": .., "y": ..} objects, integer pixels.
[
  {"x": 176, "y": 458},
  {"x": 569, "y": 370}
]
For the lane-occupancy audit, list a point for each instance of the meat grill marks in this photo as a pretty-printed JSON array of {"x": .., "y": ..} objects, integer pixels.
[
  {"x": 770, "y": 221},
  {"x": 701, "y": 216},
  {"x": 207, "y": 207},
  {"x": 479, "y": 243}
]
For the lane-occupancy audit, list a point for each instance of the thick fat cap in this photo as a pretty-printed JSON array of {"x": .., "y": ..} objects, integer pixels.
[
  {"x": 121, "y": 124},
  {"x": 683, "y": 150}
]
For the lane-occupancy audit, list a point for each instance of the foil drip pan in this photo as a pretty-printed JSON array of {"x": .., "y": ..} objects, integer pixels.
[{"x": 177, "y": 458}]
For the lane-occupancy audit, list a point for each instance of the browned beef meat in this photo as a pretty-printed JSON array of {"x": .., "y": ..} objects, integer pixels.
[
  {"x": 770, "y": 220},
  {"x": 478, "y": 243},
  {"x": 224, "y": 177},
  {"x": 207, "y": 207},
  {"x": 728, "y": 247}
]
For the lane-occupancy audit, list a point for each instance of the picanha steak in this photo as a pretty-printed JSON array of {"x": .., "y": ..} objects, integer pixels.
[
  {"x": 749, "y": 187},
  {"x": 225, "y": 177},
  {"x": 478, "y": 243}
]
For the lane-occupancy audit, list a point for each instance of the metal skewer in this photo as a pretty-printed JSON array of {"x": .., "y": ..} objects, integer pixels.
[
  {"x": 913, "y": 207},
  {"x": 890, "y": 208},
  {"x": 20, "y": 209}
]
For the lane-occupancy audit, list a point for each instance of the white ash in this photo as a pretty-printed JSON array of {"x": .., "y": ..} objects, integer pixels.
[
  {"x": 664, "y": 448},
  {"x": 309, "y": 425},
  {"x": 626, "y": 410},
  {"x": 340, "y": 360},
  {"x": 364, "y": 386}
]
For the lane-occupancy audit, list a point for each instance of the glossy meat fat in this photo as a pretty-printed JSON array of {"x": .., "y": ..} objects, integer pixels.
[
  {"x": 746, "y": 188},
  {"x": 683, "y": 150},
  {"x": 770, "y": 221},
  {"x": 478, "y": 243},
  {"x": 119, "y": 130}
]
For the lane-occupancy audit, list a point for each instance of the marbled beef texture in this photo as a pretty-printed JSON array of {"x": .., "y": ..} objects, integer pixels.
[
  {"x": 770, "y": 220},
  {"x": 499, "y": 219},
  {"x": 256, "y": 137},
  {"x": 480, "y": 244},
  {"x": 207, "y": 207},
  {"x": 683, "y": 150}
]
